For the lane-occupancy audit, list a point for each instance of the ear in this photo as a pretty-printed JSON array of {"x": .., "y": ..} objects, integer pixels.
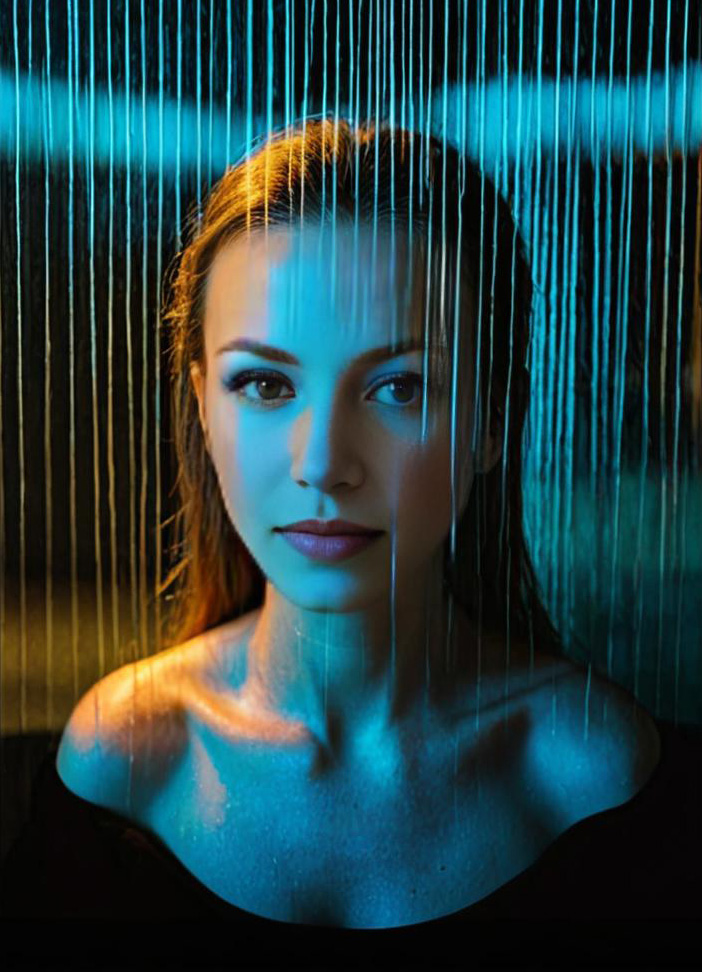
[
  {"x": 198, "y": 380},
  {"x": 480, "y": 462},
  {"x": 487, "y": 457}
]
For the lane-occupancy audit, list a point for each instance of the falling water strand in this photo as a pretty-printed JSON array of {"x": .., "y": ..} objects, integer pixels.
[
  {"x": 71, "y": 366},
  {"x": 376, "y": 146},
  {"x": 555, "y": 336},
  {"x": 20, "y": 400},
  {"x": 293, "y": 35},
  {"x": 384, "y": 60},
  {"x": 336, "y": 130},
  {"x": 499, "y": 175},
  {"x": 697, "y": 317},
  {"x": 542, "y": 255},
  {"x": 521, "y": 208},
  {"x": 324, "y": 117},
  {"x": 210, "y": 98},
  {"x": 571, "y": 402},
  {"x": 198, "y": 105},
  {"x": 518, "y": 203},
  {"x": 249, "y": 108},
  {"x": 93, "y": 356},
  {"x": 605, "y": 445},
  {"x": 503, "y": 54},
  {"x": 423, "y": 143},
  {"x": 128, "y": 335},
  {"x": 549, "y": 369},
  {"x": 621, "y": 334},
  {"x": 337, "y": 111},
  {"x": 3, "y": 632},
  {"x": 607, "y": 288},
  {"x": 443, "y": 287},
  {"x": 639, "y": 567},
  {"x": 570, "y": 406},
  {"x": 325, "y": 69},
  {"x": 539, "y": 252},
  {"x": 561, "y": 536},
  {"x": 595, "y": 315},
  {"x": 157, "y": 362},
  {"x": 116, "y": 644},
  {"x": 456, "y": 298},
  {"x": 179, "y": 99},
  {"x": 483, "y": 423},
  {"x": 144, "y": 640},
  {"x": 505, "y": 511},
  {"x": 306, "y": 72},
  {"x": 392, "y": 156},
  {"x": 354, "y": 308},
  {"x": 681, "y": 271},
  {"x": 429, "y": 249},
  {"x": 430, "y": 66},
  {"x": 392, "y": 114},
  {"x": 229, "y": 74},
  {"x": 679, "y": 525},
  {"x": 662, "y": 540},
  {"x": 49, "y": 566},
  {"x": 461, "y": 141}
]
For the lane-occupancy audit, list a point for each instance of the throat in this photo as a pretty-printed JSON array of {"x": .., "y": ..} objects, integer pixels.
[{"x": 341, "y": 673}]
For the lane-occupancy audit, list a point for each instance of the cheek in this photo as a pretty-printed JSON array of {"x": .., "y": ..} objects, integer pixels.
[
  {"x": 241, "y": 463},
  {"x": 424, "y": 497}
]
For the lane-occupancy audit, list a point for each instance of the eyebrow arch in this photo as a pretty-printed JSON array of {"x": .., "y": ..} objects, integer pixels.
[{"x": 275, "y": 354}]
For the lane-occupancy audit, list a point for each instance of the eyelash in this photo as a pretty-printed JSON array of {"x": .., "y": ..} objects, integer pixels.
[{"x": 237, "y": 382}]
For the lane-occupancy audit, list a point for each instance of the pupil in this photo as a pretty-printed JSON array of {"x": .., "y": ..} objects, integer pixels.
[
  {"x": 267, "y": 381},
  {"x": 407, "y": 387}
]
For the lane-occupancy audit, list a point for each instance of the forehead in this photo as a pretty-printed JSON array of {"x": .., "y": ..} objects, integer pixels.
[{"x": 307, "y": 288}]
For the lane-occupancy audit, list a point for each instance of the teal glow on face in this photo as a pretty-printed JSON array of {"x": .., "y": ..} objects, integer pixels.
[{"x": 331, "y": 431}]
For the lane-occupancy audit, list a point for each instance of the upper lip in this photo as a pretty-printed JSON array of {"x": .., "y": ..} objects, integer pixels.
[{"x": 328, "y": 527}]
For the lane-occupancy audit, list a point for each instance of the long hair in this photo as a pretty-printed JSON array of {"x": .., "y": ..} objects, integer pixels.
[{"x": 321, "y": 168}]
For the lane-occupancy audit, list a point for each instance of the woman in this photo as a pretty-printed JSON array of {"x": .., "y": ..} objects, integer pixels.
[{"x": 375, "y": 728}]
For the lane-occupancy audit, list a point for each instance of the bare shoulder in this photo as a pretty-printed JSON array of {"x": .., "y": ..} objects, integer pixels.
[
  {"x": 127, "y": 730},
  {"x": 594, "y": 746}
]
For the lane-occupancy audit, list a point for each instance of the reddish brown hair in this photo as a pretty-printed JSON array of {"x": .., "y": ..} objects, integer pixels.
[{"x": 365, "y": 174}]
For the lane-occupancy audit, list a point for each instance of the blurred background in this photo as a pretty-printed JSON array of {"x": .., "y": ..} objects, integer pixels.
[{"x": 116, "y": 116}]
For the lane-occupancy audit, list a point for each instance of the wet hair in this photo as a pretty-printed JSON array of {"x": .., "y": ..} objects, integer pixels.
[{"x": 323, "y": 169}]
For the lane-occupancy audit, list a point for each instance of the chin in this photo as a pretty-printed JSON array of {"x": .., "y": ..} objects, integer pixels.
[{"x": 339, "y": 595}]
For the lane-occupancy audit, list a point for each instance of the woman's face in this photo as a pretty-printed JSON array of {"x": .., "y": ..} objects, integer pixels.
[{"x": 313, "y": 427}]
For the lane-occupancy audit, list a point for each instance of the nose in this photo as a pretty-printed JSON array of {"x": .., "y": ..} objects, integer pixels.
[{"x": 323, "y": 456}]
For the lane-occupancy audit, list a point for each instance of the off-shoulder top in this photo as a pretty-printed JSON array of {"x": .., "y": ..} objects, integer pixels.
[{"x": 622, "y": 883}]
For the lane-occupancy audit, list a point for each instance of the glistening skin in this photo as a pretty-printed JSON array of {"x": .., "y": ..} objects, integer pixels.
[{"x": 326, "y": 425}]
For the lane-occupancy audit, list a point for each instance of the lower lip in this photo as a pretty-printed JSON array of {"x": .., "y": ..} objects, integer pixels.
[{"x": 329, "y": 548}]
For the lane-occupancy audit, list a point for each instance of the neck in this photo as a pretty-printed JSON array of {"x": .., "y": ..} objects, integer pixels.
[{"x": 335, "y": 672}]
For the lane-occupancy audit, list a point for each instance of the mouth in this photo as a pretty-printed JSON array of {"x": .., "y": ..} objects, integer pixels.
[
  {"x": 329, "y": 528},
  {"x": 329, "y": 548}
]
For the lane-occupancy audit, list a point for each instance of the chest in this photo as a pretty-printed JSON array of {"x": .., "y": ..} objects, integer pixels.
[{"x": 353, "y": 849}]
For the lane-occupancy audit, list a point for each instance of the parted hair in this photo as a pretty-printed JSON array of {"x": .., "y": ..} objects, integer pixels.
[{"x": 326, "y": 169}]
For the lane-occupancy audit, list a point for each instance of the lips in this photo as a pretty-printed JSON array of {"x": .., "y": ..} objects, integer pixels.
[
  {"x": 329, "y": 548},
  {"x": 326, "y": 528}
]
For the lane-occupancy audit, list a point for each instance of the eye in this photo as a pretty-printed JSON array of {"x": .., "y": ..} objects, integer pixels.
[
  {"x": 267, "y": 383},
  {"x": 402, "y": 387}
]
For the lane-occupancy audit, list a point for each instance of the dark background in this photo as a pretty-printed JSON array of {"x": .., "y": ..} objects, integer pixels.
[{"x": 138, "y": 219}]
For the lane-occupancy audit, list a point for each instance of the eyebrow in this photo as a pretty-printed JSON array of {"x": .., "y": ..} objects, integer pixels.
[{"x": 276, "y": 354}]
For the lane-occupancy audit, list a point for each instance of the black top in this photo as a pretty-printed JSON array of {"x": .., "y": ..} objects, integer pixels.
[{"x": 633, "y": 873}]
